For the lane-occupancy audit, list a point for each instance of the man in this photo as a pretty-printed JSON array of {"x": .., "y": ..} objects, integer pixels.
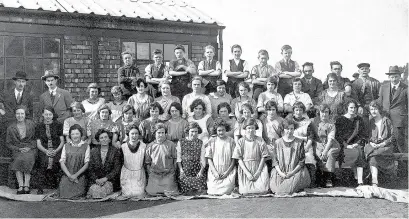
[
  {"x": 336, "y": 67},
  {"x": 55, "y": 97},
  {"x": 311, "y": 84},
  {"x": 393, "y": 98},
  {"x": 287, "y": 70}
]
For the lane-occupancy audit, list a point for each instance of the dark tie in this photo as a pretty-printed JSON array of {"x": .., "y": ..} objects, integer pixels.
[
  {"x": 393, "y": 90},
  {"x": 18, "y": 98},
  {"x": 52, "y": 96}
]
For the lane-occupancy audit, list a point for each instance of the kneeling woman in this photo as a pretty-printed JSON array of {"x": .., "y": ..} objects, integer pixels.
[
  {"x": 74, "y": 162},
  {"x": 289, "y": 174},
  {"x": 160, "y": 160},
  {"x": 104, "y": 166},
  {"x": 251, "y": 152}
]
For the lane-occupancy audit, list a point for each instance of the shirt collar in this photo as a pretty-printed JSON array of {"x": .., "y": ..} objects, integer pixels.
[
  {"x": 395, "y": 86},
  {"x": 54, "y": 90},
  {"x": 16, "y": 92}
]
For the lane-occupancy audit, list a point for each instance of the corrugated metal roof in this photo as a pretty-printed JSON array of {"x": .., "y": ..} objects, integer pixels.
[{"x": 171, "y": 10}]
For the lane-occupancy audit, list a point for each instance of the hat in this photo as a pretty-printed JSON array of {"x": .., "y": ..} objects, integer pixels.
[
  {"x": 355, "y": 75},
  {"x": 393, "y": 70},
  {"x": 360, "y": 65},
  {"x": 48, "y": 74},
  {"x": 20, "y": 75}
]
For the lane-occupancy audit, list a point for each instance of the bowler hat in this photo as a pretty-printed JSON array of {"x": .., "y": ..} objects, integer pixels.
[
  {"x": 20, "y": 75},
  {"x": 48, "y": 74},
  {"x": 360, "y": 65},
  {"x": 393, "y": 70}
]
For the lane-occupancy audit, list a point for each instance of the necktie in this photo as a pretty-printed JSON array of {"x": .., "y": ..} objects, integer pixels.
[
  {"x": 18, "y": 98},
  {"x": 52, "y": 96},
  {"x": 393, "y": 90}
]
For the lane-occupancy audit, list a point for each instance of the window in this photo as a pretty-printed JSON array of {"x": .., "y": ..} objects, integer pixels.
[{"x": 143, "y": 51}]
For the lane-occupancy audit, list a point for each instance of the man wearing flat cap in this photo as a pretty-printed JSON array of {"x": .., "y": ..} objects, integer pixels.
[
  {"x": 57, "y": 98},
  {"x": 393, "y": 97},
  {"x": 366, "y": 87}
]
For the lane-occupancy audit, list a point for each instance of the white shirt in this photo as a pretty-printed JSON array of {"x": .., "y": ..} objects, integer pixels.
[
  {"x": 290, "y": 99},
  {"x": 54, "y": 91},
  {"x": 395, "y": 86},
  {"x": 16, "y": 92}
]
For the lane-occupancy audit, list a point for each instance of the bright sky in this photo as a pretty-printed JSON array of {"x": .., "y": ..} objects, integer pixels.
[{"x": 320, "y": 31}]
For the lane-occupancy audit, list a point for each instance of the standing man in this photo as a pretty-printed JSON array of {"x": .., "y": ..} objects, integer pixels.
[
  {"x": 57, "y": 98},
  {"x": 311, "y": 84},
  {"x": 336, "y": 67},
  {"x": 393, "y": 98},
  {"x": 287, "y": 70}
]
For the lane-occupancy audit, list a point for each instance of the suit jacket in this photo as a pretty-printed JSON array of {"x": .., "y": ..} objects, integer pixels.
[
  {"x": 314, "y": 89},
  {"x": 10, "y": 103},
  {"x": 61, "y": 104},
  {"x": 396, "y": 106},
  {"x": 111, "y": 169},
  {"x": 374, "y": 87}
]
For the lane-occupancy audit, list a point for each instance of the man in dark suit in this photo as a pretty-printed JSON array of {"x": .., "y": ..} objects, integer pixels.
[
  {"x": 311, "y": 84},
  {"x": 393, "y": 97},
  {"x": 55, "y": 97}
]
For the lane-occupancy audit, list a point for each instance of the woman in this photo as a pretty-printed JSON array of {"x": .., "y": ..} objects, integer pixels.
[
  {"x": 117, "y": 104},
  {"x": 379, "y": 150},
  {"x": 289, "y": 174},
  {"x": 141, "y": 100},
  {"x": 160, "y": 160},
  {"x": 50, "y": 141},
  {"x": 77, "y": 110},
  {"x": 251, "y": 152},
  {"x": 166, "y": 100},
  {"x": 297, "y": 96},
  {"x": 272, "y": 124},
  {"x": 74, "y": 162},
  {"x": 147, "y": 126},
  {"x": 128, "y": 120},
  {"x": 133, "y": 178},
  {"x": 92, "y": 104},
  {"x": 270, "y": 95},
  {"x": 239, "y": 101},
  {"x": 222, "y": 172},
  {"x": 176, "y": 125},
  {"x": 197, "y": 84},
  {"x": 239, "y": 130},
  {"x": 104, "y": 166},
  {"x": 105, "y": 122},
  {"x": 224, "y": 110},
  {"x": 191, "y": 161},
  {"x": 204, "y": 120},
  {"x": 157, "y": 72},
  {"x": 350, "y": 134},
  {"x": 332, "y": 96},
  {"x": 20, "y": 139},
  {"x": 327, "y": 146},
  {"x": 219, "y": 97}
]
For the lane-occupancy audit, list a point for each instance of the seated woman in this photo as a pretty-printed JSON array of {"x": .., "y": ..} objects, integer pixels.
[
  {"x": 128, "y": 120},
  {"x": 191, "y": 162},
  {"x": 74, "y": 162},
  {"x": 166, "y": 99},
  {"x": 77, "y": 110},
  {"x": 327, "y": 146},
  {"x": 20, "y": 139},
  {"x": 289, "y": 174},
  {"x": 221, "y": 176},
  {"x": 147, "y": 126},
  {"x": 379, "y": 150},
  {"x": 197, "y": 84},
  {"x": 332, "y": 96},
  {"x": 105, "y": 122},
  {"x": 219, "y": 97},
  {"x": 272, "y": 124},
  {"x": 239, "y": 130},
  {"x": 270, "y": 95},
  {"x": 141, "y": 100},
  {"x": 117, "y": 103},
  {"x": 200, "y": 116},
  {"x": 350, "y": 134},
  {"x": 176, "y": 125},
  {"x": 92, "y": 104},
  {"x": 251, "y": 152},
  {"x": 224, "y": 111},
  {"x": 104, "y": 166},
  {"x": 297, "y": 96},
  {"x": 133, "y": 176},
  {"x": 160, "y": 160},
  {"x": 238, "y": 102}
]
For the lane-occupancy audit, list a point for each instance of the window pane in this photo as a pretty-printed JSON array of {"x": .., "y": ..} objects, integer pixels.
[
  {"x": 13, "y": 65},
  {"x": 52, "y": 64},
  {"x": 142, "y": 51},
  {"x": 33, "y": 46},
  {"x": 14, "y": 46},
  {"x": 168, "y": 52},
  {"x": 1, "y": 46},
  {"x": 34, "y": 68},
  {"x": 37, "y": 87},
  {"x": 129, "y": 47},
  {"x": 51, "y": 47},
  {"x": 1, "y": 68},
  {"x": 156, "y": 46}
]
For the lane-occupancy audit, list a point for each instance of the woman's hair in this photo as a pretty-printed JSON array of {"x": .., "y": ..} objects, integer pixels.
[
  {"x": 102, "y": 131},
  {"x": 133, "y": 126},
  {"x": 375, "y": 104},
  {"x": 220, "y": 123},
  {"x": 77, "y": 105},
  {"x": 288, "y": 122},
  {"x": 152, "y": 106},
  {"x": 93, "y": 86},
  {"x": 116, "y": 89},
  {"x": 299, "y": 105},
  {"x": 51, "y": 109},
  {"x": 248, "y": 106},
  {"x": 141, "y": 80},
  {"x": 243, "y": 84},
  {"x": 196, "y": 103},
  {"x": 159, "y": 126},
  {"x": 249, "y": 122},
  {"x": 193, "y": 125},
  {"x": 23, "y": 107},
  {"x": 349, "y": 102},
  {"x": 104, "y": 107},
  {"x": 263, "y": 52},
  {"x": 128, "y": 107},
  {"x": 224, "y": 105},
  {"x": 177, "y": 106},
  {"x": 76, "y": 127},
  {"x": 323, "y": 107},
  {"x": 332, "y": 76},
  {"x": 236, "y": 46},
  {"x": 270, "y": 104},
  {"x": 220, "y": 82}
]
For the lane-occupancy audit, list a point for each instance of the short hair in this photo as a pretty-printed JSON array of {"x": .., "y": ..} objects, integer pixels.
[
  {"x": 51, "y": 109},
  {"x": 126, "y": 53},
  {"x": 308, "y": 64},
  {"x": 335, "y": 63},
  {"x": 133, "y": 126},
  {"x": 288, "y": 122},
  {"x": 236, "y": 46},
  {"x": 210, "y": 47},
  {"x": 243, "y": 84},
  {"x": 76, "y": 127},
  {"x": 224, "y": 105},
  {"x": 263, "y": 52},
  {"x": 77, "y": 105},
  {"x": 333, "y": 76},
  {"x": 177, "y": 106},
  {"x": 323, "y": 107},
  {"x": 286, "y": 47},
  {"x": 141, "y": 80},
  {"x": 128, "y": 107},
  {"x": 220, "y": 82},
  {"x": 272, "y": 79},
  {"x": 102, "y": 131},
  {"x": 249, "y": 122},
  {"x": 196, "y": 103},
  {"x": 197, "y": 78},
  {"x": 157, "y": 52},
  {"x": 193, "y": 125},
  {"x": 219, "y": 122},
  {"x": 93, "y": 86},
  {"x": 349, "y": 101},
  {"x": 375, "y": 104},
  {"x": 104, "y": 107},
  {"x": 23, "y": 107},
  {"x": 298, "y": 105},
  {"x": 248, "y": 106},
  {"x": 164, "y": 82},
  {"x": 270, "y": 104},
  {"x": 159, "y": 126},
  {"x": 296, "y": 80},
  {"x": 155, "y": 105},
  {"x": 116, "y": 89},
  {"x": 181, "y": 47}
]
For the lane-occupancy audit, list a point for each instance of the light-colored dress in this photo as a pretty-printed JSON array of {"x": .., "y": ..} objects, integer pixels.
[
  {"x": 251, "y": 152},
  {"x": 238, "y": 102},
  {"x": 272, "y": 129},
  {"x": 188, "y": 100},
  {"x": 287, "y": 156},
  {"x": 116, "y": 110},
  {"x": 176, "y": 130},
  {"x": 165, "y": 103},
  {"x": 203, "y": 123},
  {"x": 335, "y": 102},
  {"x": 83, "y": 122},
  {"x": 221, "y": 152},
  {"x": 326, "y": 132},
  {"x": 133, "y": 178},
  {"x": 140, "y": 105},
  {"x": 239, "y": 130},
  {"x": 215, "y": 100},
  {"x": 91, "y": 109},
  {"x": 267, "y": 96},
  {"x": 304, "y": 129},
  {"x": 161, "y": 157},
  {"x": 95, "y": 125}
]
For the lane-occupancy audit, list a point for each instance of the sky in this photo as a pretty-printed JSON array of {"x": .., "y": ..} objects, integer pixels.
[{"x": 320, "y": 31}]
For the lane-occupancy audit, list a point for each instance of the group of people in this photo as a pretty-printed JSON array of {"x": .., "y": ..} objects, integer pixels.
[{"x": 181, "y": 129}]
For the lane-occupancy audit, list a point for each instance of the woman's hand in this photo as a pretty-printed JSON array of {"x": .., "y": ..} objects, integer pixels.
[
  {"x": 49, "y": 153},
  {"x": 117, "y": 144},
  {"x": 101, "y": 181},
  {"x": 216, "y": 174},
  {"x": 283, "y": 175},
  {"x": 324, "y": 155},
  {"x": 182, "y": 173},
  {"x": 288, "y": 175},
  {"x": 256, "y": 175},
  {"x": 249, "y": 176}
]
